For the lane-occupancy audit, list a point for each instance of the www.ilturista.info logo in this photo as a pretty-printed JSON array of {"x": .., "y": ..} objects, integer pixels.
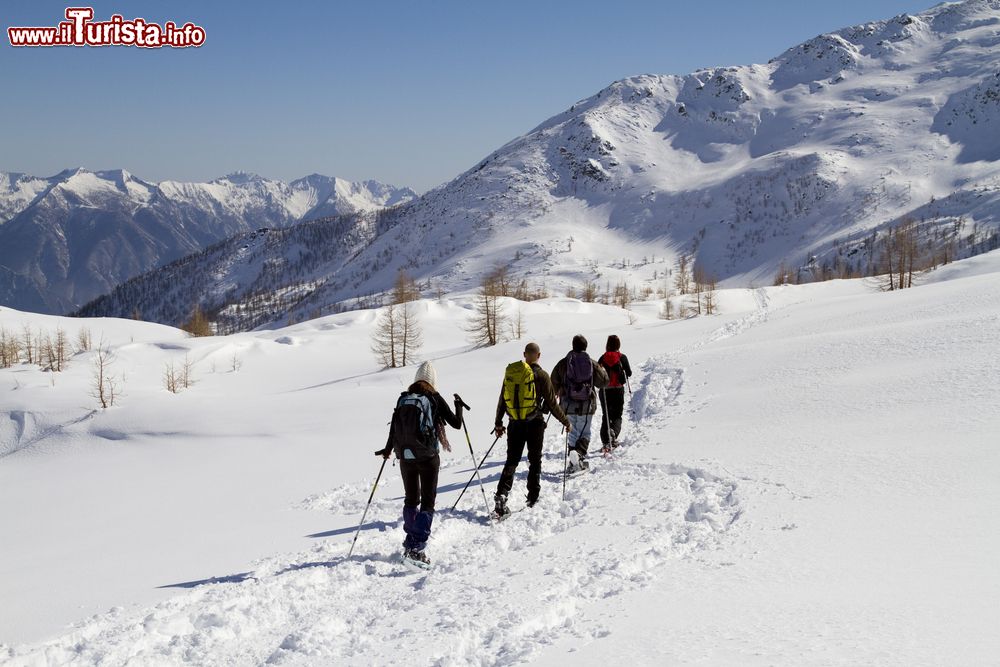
[{"x": 80, "y": 30}]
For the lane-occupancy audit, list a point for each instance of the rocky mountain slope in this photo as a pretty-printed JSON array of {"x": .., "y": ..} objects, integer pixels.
[
  {"x": 805, "y": 161},
  {"x": 67, "y": 239}
]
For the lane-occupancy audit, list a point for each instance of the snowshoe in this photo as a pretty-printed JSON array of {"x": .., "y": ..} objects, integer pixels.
[
  {"x": 416, "y": 559},
  {"x": 500, "y": 510},
  {"x": 573, "y": 462}
]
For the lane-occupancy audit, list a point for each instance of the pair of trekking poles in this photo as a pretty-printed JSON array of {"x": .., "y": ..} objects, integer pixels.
[{"x": 468, "y": 439}]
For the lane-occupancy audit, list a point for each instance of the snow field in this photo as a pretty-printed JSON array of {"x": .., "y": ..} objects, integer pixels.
[{"x": 808, "y": 479}]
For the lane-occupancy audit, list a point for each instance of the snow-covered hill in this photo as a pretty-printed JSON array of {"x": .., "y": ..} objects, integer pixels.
[
  {"x": 69, "y": 238},
  {"x": 807, "y": 478},
  {"x": 804, "y": 161}
]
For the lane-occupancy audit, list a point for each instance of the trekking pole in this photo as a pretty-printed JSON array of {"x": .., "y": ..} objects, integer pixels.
[
  {"x": 631, "y": 408},
  {"x": 458, "y": 399},
  {"x": 485, "y": 456},
  {"x": 375, "y": 486},
  {"x": 565, "y": 454}
]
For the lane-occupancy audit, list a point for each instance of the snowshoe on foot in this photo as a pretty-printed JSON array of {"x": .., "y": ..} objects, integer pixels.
[
  {"x": 500, "y": 510},
  {"x": 416, "y": 559},
  {"x": 573, "y": 462}
]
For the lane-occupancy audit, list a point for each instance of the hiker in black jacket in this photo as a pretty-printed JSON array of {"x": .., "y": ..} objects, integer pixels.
[
  {"x": 525, "y": 396},
  {"x": 613, "y": 396},
  {"x": 576, "y": 378},
  {"x": 416, "y": 435}
]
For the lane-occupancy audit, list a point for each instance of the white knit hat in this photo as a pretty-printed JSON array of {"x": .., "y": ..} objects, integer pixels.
[{"x": 426, "y": 373}]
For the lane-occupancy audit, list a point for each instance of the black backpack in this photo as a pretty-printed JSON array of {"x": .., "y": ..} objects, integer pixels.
[{"x": 413, "y": 431}]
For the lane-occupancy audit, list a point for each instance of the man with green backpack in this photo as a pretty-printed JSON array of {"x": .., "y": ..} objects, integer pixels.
[{"x": 525, "y": 397}]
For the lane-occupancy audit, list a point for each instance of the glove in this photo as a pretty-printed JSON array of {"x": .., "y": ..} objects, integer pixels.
[
  {"x": 384, "y": 453},
  {"x": 566, "y": 424},
  {"x": 499, "y": 430}
]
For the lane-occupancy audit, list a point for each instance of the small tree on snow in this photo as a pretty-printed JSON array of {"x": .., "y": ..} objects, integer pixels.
[
  {"x": 488, "y": 319},
  {"x": 106, "y": 386}
]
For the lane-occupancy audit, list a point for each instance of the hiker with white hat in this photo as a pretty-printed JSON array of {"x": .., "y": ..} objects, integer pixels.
[{"x": 416, "y": 435}]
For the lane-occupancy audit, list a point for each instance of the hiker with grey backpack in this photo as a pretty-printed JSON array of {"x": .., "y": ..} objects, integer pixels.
[
  {"x": 525, "y": 397},
  {"x": 576, "y": 379},
  {"x": 416, "y": 434}
]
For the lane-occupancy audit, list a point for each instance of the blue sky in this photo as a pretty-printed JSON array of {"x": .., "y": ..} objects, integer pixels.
[{"x": 411, "y": 93}]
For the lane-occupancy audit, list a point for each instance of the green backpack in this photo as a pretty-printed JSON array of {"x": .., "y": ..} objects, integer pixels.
[{"x": 519, "y": 390}]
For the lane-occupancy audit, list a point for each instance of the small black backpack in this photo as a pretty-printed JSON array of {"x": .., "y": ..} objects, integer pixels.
[{"x": 413, "y": 431}]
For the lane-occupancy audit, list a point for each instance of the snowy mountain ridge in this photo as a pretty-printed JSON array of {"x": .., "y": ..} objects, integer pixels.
[
  {"x": 805, "y": 161},
  {"x": 70, "y": 237}
]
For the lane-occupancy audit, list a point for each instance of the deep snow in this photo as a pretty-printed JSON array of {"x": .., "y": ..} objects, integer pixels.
[{"x": 809, "y": 478}]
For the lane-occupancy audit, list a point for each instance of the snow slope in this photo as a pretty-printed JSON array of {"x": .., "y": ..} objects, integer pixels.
[{"x": 808, "y": 478}]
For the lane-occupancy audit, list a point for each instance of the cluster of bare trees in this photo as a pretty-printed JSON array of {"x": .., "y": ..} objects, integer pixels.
[
  {"x": 398, "y": 335},
  {"x": 177, "y": 378},
  {"x": 49, "y": 351},
  {"x": 696, "y": 291},
  {"x": 894, "y": 257},
  {"x": 901, "y": 257}
]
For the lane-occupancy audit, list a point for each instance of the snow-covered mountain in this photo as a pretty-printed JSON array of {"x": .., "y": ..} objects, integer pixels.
[
  {"x": 75, "y": 235},
  {"x": 803, "y": 161}
]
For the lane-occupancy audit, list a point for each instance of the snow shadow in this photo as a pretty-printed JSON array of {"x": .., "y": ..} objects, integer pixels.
[{"x": 349, "y": 530}]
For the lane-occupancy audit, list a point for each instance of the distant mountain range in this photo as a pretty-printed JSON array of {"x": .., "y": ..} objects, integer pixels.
[
  {"x": 805, "y": 161},
  {"x": 71, "y": 237}
]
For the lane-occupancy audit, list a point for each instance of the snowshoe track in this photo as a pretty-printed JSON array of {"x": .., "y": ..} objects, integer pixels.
[{"x": 499, "y": 593}]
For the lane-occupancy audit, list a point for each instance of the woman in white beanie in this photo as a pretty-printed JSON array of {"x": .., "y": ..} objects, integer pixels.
[{"x": 416, "y": 435}]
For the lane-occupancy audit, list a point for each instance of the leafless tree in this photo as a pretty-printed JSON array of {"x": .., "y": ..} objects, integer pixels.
[
  {"x": 106, "y": 386},
  {"x": 704, "y": 290},
  {"x": 186, "y": 378},
  {"x": 411, "y": 337},
  {"x": 622, "y": 297},
  {"x": 10, "y": 349},
  {"x": 682, "y": 279},
  {"x": 83, "y": 340},
  {"x": 170, "y": 377},
  {"x": 28, "y": 344},
  {"x": 667, "y": 309},
  {"x": 518, "y": 327},
  {"x": 384, "y": 338},
  {"x": 489, "y": 319}
]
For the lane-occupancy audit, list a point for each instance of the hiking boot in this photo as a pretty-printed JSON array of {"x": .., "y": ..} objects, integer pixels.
[
  {"x": 573, "y": 464},
  {"x": 500, "y": 509},
  {"x": 416, "y": 559}
]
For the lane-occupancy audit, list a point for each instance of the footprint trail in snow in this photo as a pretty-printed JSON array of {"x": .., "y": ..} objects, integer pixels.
[{"x": 498, "y": 594}]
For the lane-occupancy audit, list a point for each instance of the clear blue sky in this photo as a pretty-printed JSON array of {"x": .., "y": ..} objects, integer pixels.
[{"x": 411, "y": 93}]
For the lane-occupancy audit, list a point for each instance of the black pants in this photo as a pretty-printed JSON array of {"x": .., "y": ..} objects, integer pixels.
[
  {"x": 420, "y": 481},
  {"x": 529, "y": 432},
  {"x": 612, "y": 407}
]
